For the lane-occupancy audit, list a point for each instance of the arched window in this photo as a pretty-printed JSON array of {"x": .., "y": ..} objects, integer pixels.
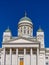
[
  {"x": 21, "y": 29},
  {"x": 24, "y": 29},
  {"x": 28, "y": 30}
]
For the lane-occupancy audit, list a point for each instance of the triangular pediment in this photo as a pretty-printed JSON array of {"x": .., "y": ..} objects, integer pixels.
[{"x": 20, "y": 40}]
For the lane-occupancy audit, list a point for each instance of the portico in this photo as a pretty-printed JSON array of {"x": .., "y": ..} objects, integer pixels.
[{"x": 20, "y": 54}]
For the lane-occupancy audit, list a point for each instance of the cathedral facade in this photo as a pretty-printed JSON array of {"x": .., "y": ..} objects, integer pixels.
[{"x": 25, "y": 49}]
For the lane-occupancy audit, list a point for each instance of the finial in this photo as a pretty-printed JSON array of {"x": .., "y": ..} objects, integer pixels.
[
  {"x": 25, "y": 14},
  {"x": 7, "y": 30},
  {"x": 8, "y": 27},
  {"x": 39, "y": 27}
]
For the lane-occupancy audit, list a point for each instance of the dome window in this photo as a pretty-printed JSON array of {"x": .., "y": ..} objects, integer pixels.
[
  {"x": 24, "y": 29},
  {"x": 28, "y": 30},
  {"x": 21, "y": 29}
]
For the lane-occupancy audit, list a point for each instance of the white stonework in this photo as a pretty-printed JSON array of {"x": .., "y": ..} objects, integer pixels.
[{"x": 24, "y": 49}]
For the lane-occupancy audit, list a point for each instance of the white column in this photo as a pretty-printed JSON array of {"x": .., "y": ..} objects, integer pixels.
[
  {"x": 24, "y": 51},
  {"x": 24, "y": 56},
  {"x": 31, "y": 56},
  {"x": 4, "y": 57},
  {"x": 31, "y": 51},
  {"x": 10, "y": 56},
  {"x": 17, "y": 56},
  {"x": 37, "y": 56}
]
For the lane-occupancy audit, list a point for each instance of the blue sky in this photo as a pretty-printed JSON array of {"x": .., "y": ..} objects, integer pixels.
[{"x": 11, "y": 11}]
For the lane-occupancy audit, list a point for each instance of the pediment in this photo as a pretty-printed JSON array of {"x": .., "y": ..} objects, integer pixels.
[{"x": 21, "y": 40}]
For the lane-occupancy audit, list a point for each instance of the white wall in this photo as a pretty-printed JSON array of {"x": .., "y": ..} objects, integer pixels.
[{"x": 42, "y": 59}]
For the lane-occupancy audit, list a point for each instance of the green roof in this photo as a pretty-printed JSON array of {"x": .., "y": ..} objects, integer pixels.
[
  {"x": 8, "y": 30},
  {"x": 25, "y": 18},
  {"x": 40, "y": 30}
]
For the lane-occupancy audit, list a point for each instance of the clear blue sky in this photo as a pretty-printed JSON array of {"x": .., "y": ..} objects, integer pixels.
[{"x": 12, "y": 10}]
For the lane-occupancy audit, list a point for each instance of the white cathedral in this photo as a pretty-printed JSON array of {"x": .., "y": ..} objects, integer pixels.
[{"x": 24, "y": 49}]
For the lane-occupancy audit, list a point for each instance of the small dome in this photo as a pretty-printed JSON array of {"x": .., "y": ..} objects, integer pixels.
[
  {"x": 25, "y": 18},
  {"x": 8, "y": 30},
  {"x": 40, "y": 30}
]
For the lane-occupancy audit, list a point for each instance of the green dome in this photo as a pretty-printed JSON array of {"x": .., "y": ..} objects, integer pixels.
[
  {"x": 40, "y": 30},
  {"x": 8, "y": 30},
  {"x": 25, "y": 18}
]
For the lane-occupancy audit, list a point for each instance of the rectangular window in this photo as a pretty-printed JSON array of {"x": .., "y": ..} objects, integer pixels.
[
  {"x": 7, "y": 50},
  {"x": 28, "y": 51},
  {"x": 20, "y": 51},
  {"x": 34, "y": 51},
  {"x": 13, "y": 51}
]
